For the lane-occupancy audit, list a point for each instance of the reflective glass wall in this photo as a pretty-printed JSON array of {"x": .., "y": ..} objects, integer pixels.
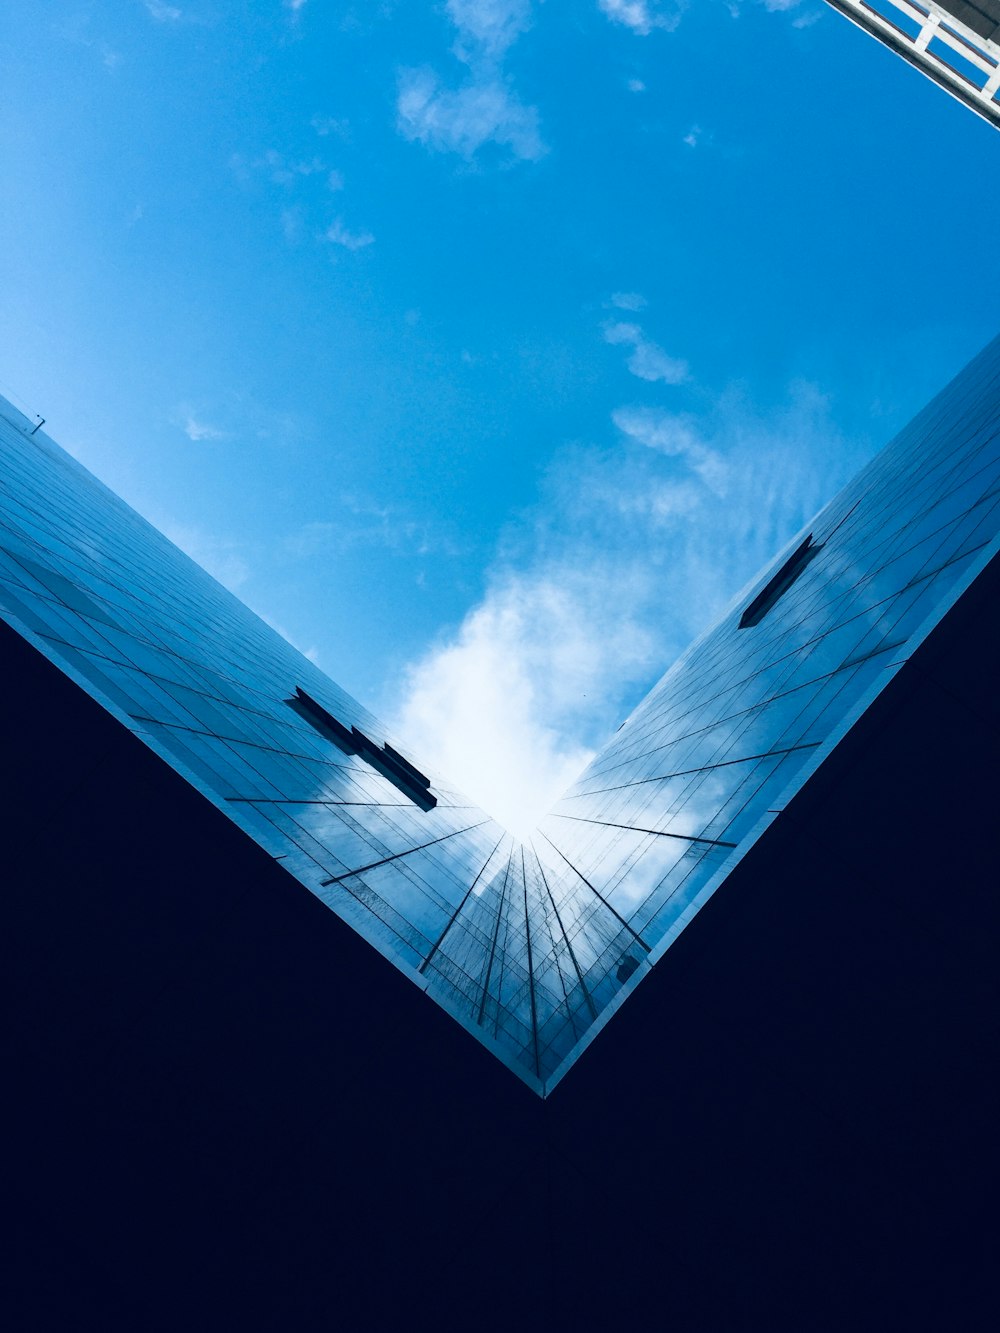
[{"x": 530, "y": 946}]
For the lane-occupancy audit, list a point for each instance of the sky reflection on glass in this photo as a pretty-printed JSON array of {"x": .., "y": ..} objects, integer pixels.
[{"x": 530, "y": 944}]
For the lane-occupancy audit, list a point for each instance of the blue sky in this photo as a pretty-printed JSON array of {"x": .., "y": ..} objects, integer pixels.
[{"x": 485, "y": 347}]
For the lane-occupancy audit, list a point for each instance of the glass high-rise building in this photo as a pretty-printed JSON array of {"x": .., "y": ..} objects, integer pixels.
[
  {"x": 529, "y": 946},
  {"x": 763, "y": 870}
]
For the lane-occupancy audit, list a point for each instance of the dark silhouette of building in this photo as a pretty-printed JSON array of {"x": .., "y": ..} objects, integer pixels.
[{"x": 744, "y": 972}]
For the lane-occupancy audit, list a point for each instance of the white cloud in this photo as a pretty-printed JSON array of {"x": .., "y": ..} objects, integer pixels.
[
  {"x": 676, "y": 436},
  {"x": 163, "y": 13},
  {"x": 632, "y": 551},
  {"x": 636, "y": 86},
  {"x": 693, "y": 136},
  {"x": 493, "y": 706},
  {"x": 648, "y": 360},
  {"x": 484, "y": 109},
  {"x": 281, "y": 170},
  {"x": 246, "y": 418},
  {"x": 622, "y": 333},
  {"x": 463, "y": 120},
  {"x": 327, "y": 125},
  {"x": 291, "y": 224},
  {"x": 365, "y": 522},
  {"x": 75, "y": 30},
  {"x": 487, "y": 28},
  {"x": 274, "y": 163},
  {"x": 643, "y": 16},
  {"x": 200, "y": 430},
  {"x": 304, "y": 181},
  {"x": 627, "y": 300},
  {"x": 338, "y": 234},
  {"x": 313, "y": 167}
]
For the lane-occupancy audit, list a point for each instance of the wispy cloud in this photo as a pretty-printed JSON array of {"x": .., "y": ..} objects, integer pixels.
[
  {"x": 201, "y": 430},
  {"x": 291, "y": 224},
  {"x": 364, "y": 522},
  {"x": 76, "y": 31},
  {"x": 330, "y": 125},
  {"x": 801, "y": 20},
  {"x": 237, "y": 415},
  {"x": 644, "y": 16},
  {"x": 277, "y": 167},
  {"x": 485, "y": 706},
  {"x": 306, "y": 182},
  {"x": 484, "y": 108},
  {"x": 462, "y": 120},
  {"x": 338, "y": 234},
  {"x": 163, "y": 13},
  {"x": 648, "y": 361},
  {"x": 627, "y": 301},
  {"x": 676, "y": 436},
  {"x": 635, "y": 86},
  {"x": 487, "y": 28},
  {"x": 633, "y": 548}
]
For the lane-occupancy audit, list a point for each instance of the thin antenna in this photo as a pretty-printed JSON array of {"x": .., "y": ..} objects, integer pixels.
[{"x": 41, "y": 423}]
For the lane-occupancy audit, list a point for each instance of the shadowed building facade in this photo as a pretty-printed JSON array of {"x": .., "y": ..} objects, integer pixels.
[{"x": 231, "y": 1107}]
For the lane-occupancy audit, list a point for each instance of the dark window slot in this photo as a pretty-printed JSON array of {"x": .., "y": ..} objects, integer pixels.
[
  {"x": 322, "y": 721},
  {"x": 383, "y": 758},
  {"x": 777, "y": 586},
  {"x": 414, "y": 773}
]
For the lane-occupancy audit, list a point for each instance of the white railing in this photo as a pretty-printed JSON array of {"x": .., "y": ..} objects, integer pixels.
[{"x": 975, "y": 81}]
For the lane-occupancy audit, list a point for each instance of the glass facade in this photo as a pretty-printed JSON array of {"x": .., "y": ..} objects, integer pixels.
[{"x": 531, "y": 946}]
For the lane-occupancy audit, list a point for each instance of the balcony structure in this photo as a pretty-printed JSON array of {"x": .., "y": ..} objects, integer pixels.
[{"x": 956, "y": 44}]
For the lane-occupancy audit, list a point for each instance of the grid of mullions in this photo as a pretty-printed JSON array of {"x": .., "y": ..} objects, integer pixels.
[
  {"x": 528, "y": 944},
  {"x": 719, "y": 741}
]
